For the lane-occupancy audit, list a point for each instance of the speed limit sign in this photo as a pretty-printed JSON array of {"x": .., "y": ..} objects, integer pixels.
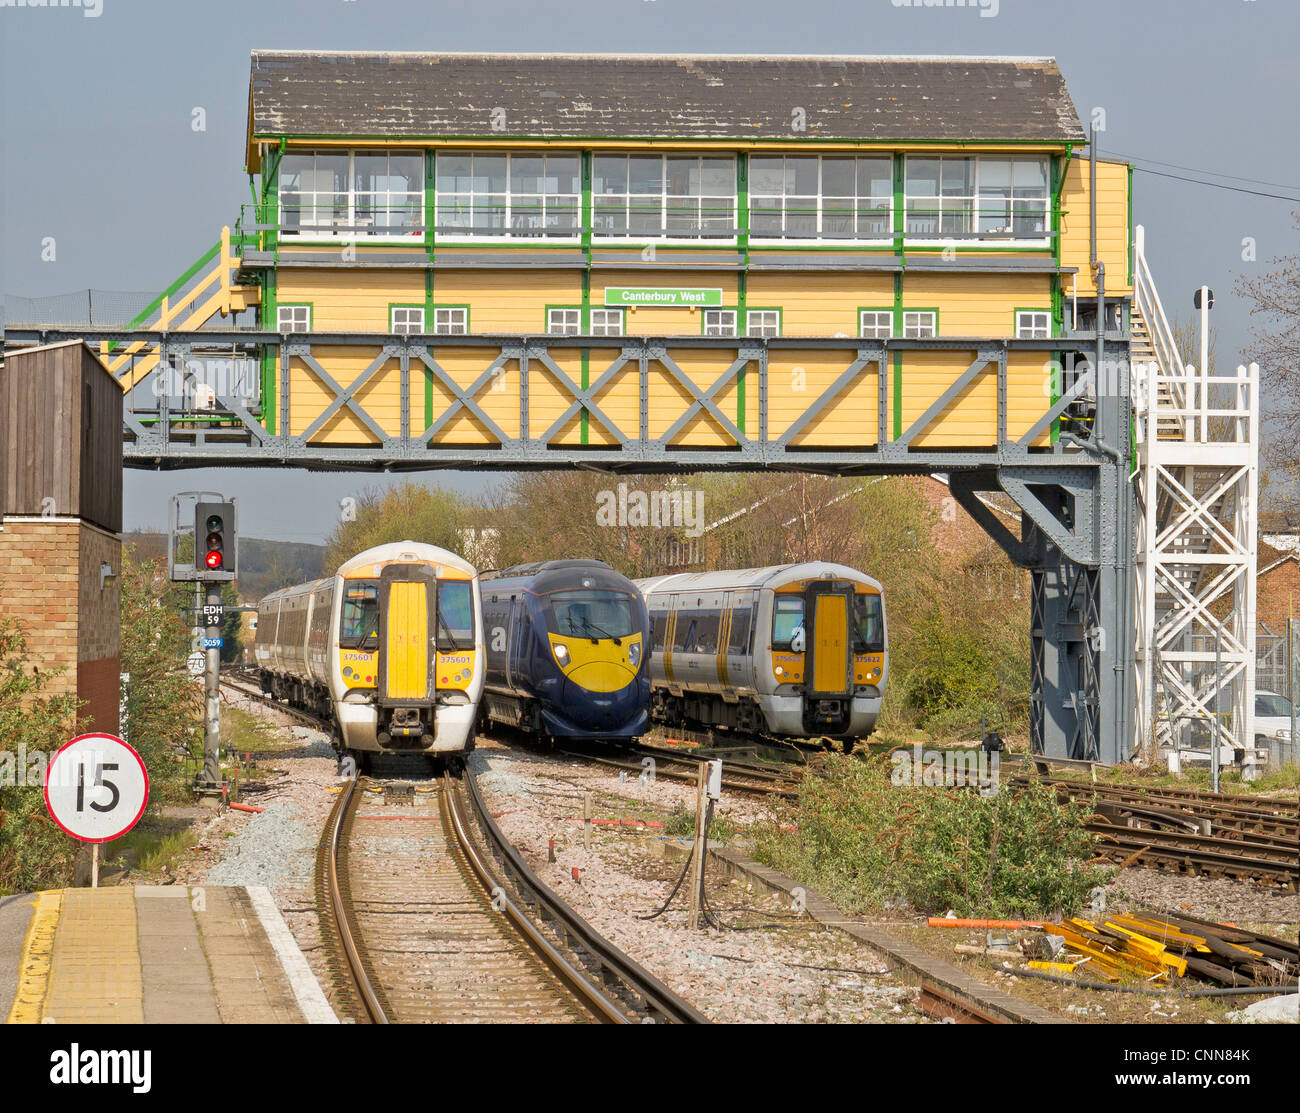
[{"x": 96, "y": 788}]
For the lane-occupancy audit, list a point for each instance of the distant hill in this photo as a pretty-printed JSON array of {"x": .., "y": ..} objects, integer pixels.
[{"x": 264, "y": 566}]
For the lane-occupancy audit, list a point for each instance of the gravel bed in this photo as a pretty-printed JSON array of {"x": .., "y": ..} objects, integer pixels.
[
  {"x": 765, "y": 965},
  {"x": 1207, "y": 898},
  {"x": 277, "y": 847}
]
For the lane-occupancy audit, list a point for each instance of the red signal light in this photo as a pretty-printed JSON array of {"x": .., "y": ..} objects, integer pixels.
[{"x": 213, "y": 559}]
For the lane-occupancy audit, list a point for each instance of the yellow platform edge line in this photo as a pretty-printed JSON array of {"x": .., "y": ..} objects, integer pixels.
[{"x": 34, "y": 967}]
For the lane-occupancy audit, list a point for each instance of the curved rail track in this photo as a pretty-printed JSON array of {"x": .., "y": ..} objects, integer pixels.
[
  {"x": 1217, "y": 834},
  {"x": 434, "y": 916}
]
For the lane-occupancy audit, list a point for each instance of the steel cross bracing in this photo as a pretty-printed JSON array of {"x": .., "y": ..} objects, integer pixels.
[
  {"x": 1076, "y": 535},
  {"x": 1197, "y": 455}
]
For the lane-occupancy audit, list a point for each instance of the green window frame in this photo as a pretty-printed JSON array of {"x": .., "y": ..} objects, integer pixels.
[
  {"x": 1037, "y": 330},
  {"x": 719, "y": 320},
  {"x": 402, "y": 316},
  {"x": 764, "y": 310},
  {"x": 570, "y": 323},
  {"x": 913, "y": 325},
  {"x": 299, "y": 313},
  {"x": 450, "y": 320},
  {"x": 879, "y": 311}
]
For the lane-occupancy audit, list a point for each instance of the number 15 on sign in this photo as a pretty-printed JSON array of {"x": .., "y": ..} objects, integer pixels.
[{"x": 96, "y": 788}]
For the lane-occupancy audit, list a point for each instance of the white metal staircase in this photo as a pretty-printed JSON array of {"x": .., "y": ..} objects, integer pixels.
[{"x": 1196, "y": 482}]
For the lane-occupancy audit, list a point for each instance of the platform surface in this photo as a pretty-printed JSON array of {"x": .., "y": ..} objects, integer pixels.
[{"x": 155, "y": 954}]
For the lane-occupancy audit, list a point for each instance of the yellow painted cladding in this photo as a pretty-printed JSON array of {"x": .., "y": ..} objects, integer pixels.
[
  {"x": 406, "y": 644},
  {"x": 830, "y": 643},
  {"x": 1113, "y": 233}
]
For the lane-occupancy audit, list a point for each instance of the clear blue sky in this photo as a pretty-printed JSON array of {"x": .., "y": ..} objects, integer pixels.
[{"x": 100, "y": 154}]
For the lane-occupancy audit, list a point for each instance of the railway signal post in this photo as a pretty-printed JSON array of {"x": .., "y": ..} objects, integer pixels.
[{"x": 215, "y": 561}]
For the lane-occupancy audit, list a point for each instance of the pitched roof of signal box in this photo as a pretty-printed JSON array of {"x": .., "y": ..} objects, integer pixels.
[{"x": 607, "y": 96}]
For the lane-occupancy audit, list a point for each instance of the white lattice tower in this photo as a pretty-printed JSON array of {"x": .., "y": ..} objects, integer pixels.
[{"x": 1197, "y": 478}]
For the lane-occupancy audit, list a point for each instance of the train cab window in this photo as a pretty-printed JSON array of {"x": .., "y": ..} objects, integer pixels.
[
  {"x": 741, "y": 618},
  {"x": 455, "y": 614},
  {"x": 787, "y": 617},
  {"x": 592, "y": 614},
  {"x": 868, "y": 624},
  {"x": 359, "y": 619}
]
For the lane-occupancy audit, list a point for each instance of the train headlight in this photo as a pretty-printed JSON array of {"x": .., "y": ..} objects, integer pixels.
[
  {"x": 562, "y": 655},
  {"x": 634, "y": 654}
]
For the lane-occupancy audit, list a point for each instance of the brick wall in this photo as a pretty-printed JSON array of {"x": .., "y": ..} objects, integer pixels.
[
  {"x": 39, "y": 561},
  {"x": 49, "y": 580},
  {"x": 99, "y": 628},
  {"x": 1277, "y": 593}
]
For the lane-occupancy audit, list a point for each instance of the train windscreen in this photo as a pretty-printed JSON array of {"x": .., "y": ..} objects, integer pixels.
[
  {"x": 868, "y": 624},
  {"x": 592, "y": 614},
  {"x": 456, "y": 614},
  {"x": 359, "y": 617},
  {"x": 787, "y": 617}
]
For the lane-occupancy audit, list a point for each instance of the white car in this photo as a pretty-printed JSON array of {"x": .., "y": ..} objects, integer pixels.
[{"x": 1272, "y": 718}]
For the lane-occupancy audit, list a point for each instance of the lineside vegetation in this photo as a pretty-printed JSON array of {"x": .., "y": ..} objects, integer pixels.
[{"x": 871, "y": 845}]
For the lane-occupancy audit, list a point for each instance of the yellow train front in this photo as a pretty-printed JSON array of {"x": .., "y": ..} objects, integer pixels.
[
  {"x": 566, "y": 656},
  {"x": 389, "y": 649}
]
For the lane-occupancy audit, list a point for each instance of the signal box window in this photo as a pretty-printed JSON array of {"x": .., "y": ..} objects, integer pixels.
[
  {"x": 719, "y": 322},
  {"x": 876, "y": 324},
  {"x": 451, "y": 321},
  {"x": 407, "y": 319},
  {"x": 1033, "y": 325},
  {"x": 563, "y": 322},
  {"x": 293, "y": 318},
  {"x": 919, "y": 324},
  {"x": 607, "y": 322},
  {"x": 763, "y": 322}
]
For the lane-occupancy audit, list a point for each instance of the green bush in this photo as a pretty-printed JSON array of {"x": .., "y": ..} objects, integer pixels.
[
  {"x": 868, "y": 844},
  {"x": 34, "y": 853}
]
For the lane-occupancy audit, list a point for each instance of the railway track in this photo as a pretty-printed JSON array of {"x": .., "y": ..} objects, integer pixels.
[
  {"x": 1191, "y": 832},
  {"x": 433, "y": 916},
  {"x": 751, "y": 780},
  {"x": 249, "y": 690}
]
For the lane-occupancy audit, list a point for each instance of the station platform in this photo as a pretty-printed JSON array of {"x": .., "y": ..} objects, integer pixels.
[{"x": 154, "y": 954}]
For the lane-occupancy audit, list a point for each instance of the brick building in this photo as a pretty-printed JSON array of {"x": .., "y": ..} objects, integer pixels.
[{"x": 61, "y": 519}]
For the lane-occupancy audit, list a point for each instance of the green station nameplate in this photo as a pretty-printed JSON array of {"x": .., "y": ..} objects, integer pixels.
[{"x": 665, "y": 297}]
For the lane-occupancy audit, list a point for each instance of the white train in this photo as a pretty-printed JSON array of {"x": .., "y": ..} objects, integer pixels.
[
  {"x": 389, "y": 649},
  {"x": 797, "y": 651}
]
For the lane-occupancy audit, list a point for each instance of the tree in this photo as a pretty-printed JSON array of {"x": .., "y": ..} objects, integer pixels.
[
  {"x": 410, "y": 512},
  {"x": 1275, "y": 299},
  {"x": 163, "y": 702},
  {"x": 34, "y": 853}
]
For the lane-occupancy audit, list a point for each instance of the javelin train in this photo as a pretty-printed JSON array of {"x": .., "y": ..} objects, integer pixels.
[
  {"x": 389, "y": 649},
  {"x": 795, "y": 650},
  {"x": 566, "y": 652}
]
